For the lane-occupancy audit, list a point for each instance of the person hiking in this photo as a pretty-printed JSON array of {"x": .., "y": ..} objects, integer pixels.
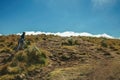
[{"x": 21, "y": 42}]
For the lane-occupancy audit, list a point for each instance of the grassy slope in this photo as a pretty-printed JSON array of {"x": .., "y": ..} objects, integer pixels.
[{"x": 48, "y": 57}]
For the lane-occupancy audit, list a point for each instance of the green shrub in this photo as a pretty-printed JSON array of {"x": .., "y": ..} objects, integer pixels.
[
  {"x": 104, "y": 44},
  {"x": 70, "y": 41},
  {"x": 35, "y": 56}
]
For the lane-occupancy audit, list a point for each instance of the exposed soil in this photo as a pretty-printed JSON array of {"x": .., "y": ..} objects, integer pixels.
[{"x": 69, "y": 58}]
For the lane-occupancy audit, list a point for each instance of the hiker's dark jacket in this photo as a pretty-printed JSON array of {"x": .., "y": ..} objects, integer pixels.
[
  {"x": 23, "y": 36},
  {"x": 21, "y": 40}
]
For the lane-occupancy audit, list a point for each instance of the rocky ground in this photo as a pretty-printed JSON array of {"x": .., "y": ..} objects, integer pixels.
[{"x": 49, "y": 57}]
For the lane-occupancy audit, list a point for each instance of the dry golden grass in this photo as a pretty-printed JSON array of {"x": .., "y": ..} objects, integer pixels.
[
  {"x": 78, "y": 72},
  {"x": 60, "y": 58}
]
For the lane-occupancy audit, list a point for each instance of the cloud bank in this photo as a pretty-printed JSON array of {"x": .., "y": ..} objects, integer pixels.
[{"x": 68, "y": 34}]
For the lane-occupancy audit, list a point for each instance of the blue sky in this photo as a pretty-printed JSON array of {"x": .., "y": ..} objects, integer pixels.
[{"x": 93, "y": 16}]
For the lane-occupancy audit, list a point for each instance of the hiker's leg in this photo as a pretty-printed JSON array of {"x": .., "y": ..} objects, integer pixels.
[
  {"x": 23, "y": 45},
  {"x": 18, "y": 46}
]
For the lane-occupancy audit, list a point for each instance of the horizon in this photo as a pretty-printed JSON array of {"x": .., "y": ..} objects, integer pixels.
[
  {"x": 90, "y": 16},
  {"x": 66, "y": 34}
]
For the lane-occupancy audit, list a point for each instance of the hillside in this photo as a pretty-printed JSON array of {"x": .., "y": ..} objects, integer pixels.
[{"x": 49, "y": 57}]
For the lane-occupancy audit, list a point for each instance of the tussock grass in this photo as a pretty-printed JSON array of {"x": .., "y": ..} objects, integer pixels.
[
  {"x": 60, "y": 58},
  {"x": 24, "y": 61},
  {"x": 79, "y": 72}
]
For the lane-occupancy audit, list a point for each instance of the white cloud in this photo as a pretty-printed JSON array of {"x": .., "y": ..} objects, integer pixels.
[
  {"x": 102, "y": 3},
  {"x": 67, "y": 34}
]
